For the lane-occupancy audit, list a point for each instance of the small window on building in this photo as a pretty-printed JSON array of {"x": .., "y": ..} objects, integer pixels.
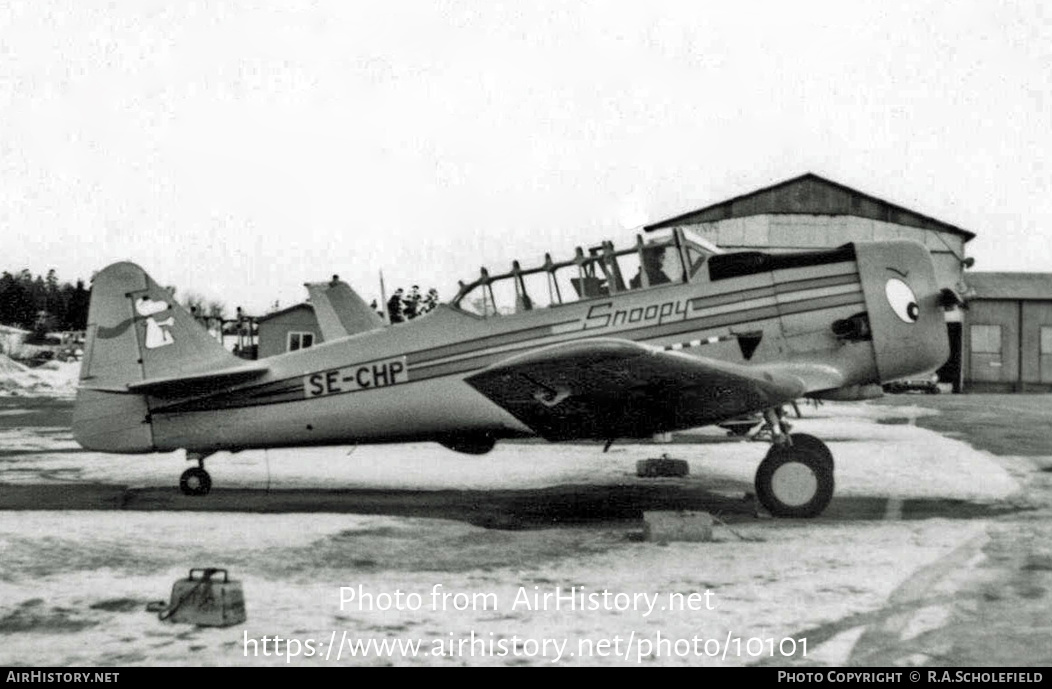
[
  {"x": 1046, "y": 339},
  {"x": 986, "y": 339},
  {"x": 299, "y": 340},
  {"x": 1045, "y": 358}
]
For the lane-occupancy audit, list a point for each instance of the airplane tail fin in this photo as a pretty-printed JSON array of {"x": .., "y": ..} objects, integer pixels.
[
  {"x": 136, "y": 331},
  {"x": 340, "y": 311}
]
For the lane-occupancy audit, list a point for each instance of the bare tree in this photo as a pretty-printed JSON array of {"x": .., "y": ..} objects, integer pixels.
[{"x": 194, "y": 303}]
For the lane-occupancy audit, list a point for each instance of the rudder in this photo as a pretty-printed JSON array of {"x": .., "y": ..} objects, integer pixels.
[{"x": 136, "y": 331}]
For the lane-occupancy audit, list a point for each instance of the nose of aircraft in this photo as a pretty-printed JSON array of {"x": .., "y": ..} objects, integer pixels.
[{"x": 905, "y": 307}]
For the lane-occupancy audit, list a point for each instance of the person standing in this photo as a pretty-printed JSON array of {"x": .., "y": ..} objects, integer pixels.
[
  {"x": 411, "y": 306},
  {"x": 430, "y": 301},
  {"x": 394, "y": 307}
]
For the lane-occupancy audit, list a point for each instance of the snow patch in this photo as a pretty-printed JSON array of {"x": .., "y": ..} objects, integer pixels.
[{"x": 52, "y": 379}]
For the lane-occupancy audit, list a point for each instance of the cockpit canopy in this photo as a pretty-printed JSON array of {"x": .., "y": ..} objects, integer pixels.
[{"x": 666, "y": 257}]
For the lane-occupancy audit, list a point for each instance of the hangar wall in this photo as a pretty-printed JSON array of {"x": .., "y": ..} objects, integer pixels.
[{"x": 1008, "y": 341}]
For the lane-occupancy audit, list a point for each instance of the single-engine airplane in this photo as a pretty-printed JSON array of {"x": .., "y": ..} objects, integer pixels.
[{"x": 564, "y": 350}]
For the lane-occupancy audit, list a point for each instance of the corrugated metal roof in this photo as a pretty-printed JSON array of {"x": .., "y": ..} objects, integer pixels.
[
  {"x": 1009, "y": 285},
  {"x": 889, "y": 211}
]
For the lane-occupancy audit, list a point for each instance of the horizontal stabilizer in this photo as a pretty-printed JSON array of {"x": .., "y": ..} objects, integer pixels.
[{"x": 178, "y": 386}]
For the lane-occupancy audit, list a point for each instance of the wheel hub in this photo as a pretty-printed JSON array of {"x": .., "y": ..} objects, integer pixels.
[{"x": 794, "y": 484}]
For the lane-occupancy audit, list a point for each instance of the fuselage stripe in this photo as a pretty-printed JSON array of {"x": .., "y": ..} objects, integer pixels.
[{"x": 438, "y": 362}]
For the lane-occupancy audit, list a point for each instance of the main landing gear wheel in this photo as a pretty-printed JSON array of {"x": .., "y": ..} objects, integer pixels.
[
  {"x": 195, "y": 481},
  {"x": 810, "y": 443},
  {"x": 796, "y": 480}
]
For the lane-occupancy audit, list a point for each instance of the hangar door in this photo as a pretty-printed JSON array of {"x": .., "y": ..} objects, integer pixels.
[
  {"x": 987, "y": 355},
  {"x": 1046, "y": 353}
]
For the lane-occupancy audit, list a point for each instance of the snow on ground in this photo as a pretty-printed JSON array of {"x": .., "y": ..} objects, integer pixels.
[
  {"x": 873, "y": 459},
  {"x": 76, "y": 595},
  {"x": 73, "y": 585},
  {"x": 52, "y": 379},
  {"x": 9, "y": 365}
]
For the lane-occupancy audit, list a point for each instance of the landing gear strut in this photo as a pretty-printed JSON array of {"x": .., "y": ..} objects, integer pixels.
[
  {"x": 795, "y": 479},
  {"x": 195, "y": 480}
]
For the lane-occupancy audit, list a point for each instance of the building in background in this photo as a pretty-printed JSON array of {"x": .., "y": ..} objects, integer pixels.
[
  {"x": 295, "y": 327},
  {"x": 810, "y": 212},
  {"x": 1008, "y": 344}
]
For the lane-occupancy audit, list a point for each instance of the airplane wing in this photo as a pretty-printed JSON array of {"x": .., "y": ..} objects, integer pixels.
[
  {"x": 184, "y": 385},
  {"x": 613, "y": 388}
]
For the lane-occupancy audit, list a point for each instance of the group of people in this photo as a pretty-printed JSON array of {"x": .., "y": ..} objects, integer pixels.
[{"x": 403, "y": 307}]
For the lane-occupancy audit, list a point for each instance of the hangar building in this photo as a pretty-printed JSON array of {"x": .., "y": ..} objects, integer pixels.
[
  {"x": 1009, "y": 343},
  {"x": 811, "y": 212}
]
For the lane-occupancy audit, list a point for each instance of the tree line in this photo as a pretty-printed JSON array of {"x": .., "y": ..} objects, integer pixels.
[{"x": 41, "y": 303}]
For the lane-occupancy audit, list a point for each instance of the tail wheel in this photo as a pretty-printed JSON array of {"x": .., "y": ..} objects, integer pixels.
[
  {"x": 195, "y": 481},
  {"x": 796, "y": 480}
]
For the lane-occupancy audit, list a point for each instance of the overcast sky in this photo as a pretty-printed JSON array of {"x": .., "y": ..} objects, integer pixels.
[{"x": 239, "y": 149}]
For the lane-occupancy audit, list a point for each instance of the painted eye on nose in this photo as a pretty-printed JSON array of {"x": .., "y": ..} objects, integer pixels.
[{"x": 902, "y": 299}]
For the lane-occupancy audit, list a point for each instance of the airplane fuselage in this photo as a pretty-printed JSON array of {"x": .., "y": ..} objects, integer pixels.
[{"x": 407, "y": 382}]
